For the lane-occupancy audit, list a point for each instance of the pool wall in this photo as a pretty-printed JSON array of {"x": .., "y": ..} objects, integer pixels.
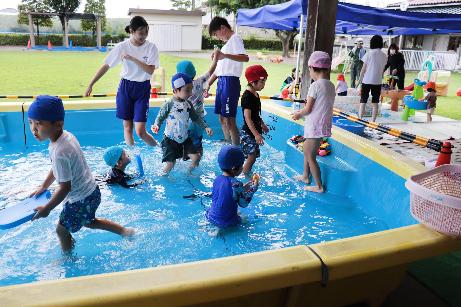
[{"x": 353, "y": 270}]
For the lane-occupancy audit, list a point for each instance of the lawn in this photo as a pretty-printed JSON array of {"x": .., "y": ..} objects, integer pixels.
[{"x": 68, "y": 73}]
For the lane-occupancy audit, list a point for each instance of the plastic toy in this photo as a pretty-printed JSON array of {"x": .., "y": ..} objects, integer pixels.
[{"x": 413, "y": 102}]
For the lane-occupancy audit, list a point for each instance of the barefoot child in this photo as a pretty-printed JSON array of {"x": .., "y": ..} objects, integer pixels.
[
  {"x": 228, "y": 72},
  {"x": 199, "y": 86},
  {"x": 118, "y": 160},
  {"x": 139, "y": 58},
  {"x": 176, "y": 142},
  {"x": 229, "y": 193},
  {"x": 253, "y": 125},
  {"x": 318, "y": 113},
  {"x": 431, "y": 98},
  {"x": 77, "y": 187}
]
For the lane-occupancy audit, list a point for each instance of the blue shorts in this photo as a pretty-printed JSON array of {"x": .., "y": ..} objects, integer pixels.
[
  {"x": 227, "y": 96},
  {"x": 133, "y": 100},
  {"x": 76, "y": 215},
  {"x": 249, "y": 145}
]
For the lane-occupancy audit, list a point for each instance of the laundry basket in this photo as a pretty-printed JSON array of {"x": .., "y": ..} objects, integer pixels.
[{"x": 435, "y": 198}]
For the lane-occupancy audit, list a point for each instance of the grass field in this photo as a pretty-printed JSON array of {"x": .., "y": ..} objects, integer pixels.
[{"x": 68, "y": 73}]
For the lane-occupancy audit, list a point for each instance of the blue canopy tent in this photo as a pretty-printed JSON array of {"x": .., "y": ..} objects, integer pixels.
[{"x": 352, "y": 19}]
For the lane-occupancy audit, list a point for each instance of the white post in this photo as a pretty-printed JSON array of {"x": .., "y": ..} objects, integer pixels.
[{"x": 298, "y": 56}]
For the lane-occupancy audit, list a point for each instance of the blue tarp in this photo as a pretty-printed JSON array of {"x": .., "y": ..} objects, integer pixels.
[{"x": 352, "y": 19}]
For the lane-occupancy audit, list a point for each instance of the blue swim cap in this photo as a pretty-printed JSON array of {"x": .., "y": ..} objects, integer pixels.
[
  {"x": 186, "y": 67},
  {"x": 112, "y": 155},
  {"x": 179, "y": 80},
  {"x": 230, "y": 156},
  {"x": 49, "y": 108}
]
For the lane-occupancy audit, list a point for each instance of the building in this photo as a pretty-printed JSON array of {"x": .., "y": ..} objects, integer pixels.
[
  {"x": 173, "y": 30},
  {"x": 431, "y": 42}
]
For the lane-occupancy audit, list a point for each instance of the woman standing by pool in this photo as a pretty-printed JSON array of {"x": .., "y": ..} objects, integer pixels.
[
  {"x": 139, "y": 59},
  {"x": 396, "y": 63}
]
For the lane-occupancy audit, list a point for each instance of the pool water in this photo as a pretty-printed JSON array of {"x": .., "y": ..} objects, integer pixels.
[{"x": 170, "y": 229}]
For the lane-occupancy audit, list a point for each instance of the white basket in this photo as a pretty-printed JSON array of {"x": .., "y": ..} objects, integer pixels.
[{"x": 435, "y": 198}]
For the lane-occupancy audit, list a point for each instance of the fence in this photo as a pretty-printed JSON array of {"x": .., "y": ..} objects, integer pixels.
[{"x": 414, "y": 59}]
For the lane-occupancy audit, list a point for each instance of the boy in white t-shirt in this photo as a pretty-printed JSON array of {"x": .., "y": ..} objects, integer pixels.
[
  {"x": 228, "y": 72},
  {"x": 77, "y": 187},
  {"x": 139, "y": 59},
  {"x": 371, "y": 75}
]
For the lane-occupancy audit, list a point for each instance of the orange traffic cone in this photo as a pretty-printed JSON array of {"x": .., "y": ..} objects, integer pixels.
[
  {"x": 444, "y": 155},
  {"x": 28, "y": 44},
  {"x": 49, "y": 45},
  {"x": 153, "y": 93}
]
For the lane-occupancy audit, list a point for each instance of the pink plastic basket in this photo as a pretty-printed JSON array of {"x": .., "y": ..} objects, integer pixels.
[{"x": 435, "y": 199}]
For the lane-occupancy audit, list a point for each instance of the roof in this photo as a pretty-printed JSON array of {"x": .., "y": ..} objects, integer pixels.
[
  {"x": 418, "y": 3},
  {"x": 133, "y": 11}
]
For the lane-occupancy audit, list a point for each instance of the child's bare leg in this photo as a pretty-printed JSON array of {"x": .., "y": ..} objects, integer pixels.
[
  {"x": 429, "y": 117},
  {"x": 233, "y": 130},
  {"x": 361, "y": 109},
  {"x": 305, "y": 176},
  {"x": 194, "y": 159},
  {"x": 374, "y": 112},
  {"x": 128, "y": 132},
  {"x": 168, "y": 167},
  {"x": 107, "y": 225},
  {"x": 249, "y": 162},
  {"x": 225, "y": 129},
  {"x": 65, "y": 238},
  {"x": 144, "y": 135},
  {"x": 312, "y": 148}
]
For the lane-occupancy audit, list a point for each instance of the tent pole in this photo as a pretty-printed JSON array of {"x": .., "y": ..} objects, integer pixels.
[{"x": 298, "y": 55}]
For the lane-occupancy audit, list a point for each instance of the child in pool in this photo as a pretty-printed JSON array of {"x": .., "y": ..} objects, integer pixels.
[
  {"x": 253, "y": 125},
  {"x": 118, "y": 160},
  {"x": 77, "y": 187},
  {"x": 199, "y": 86},
  {"x": 176, "y": 142},
  {"x": 229, "y": 193},
  {"x": 318, "y": 114}
]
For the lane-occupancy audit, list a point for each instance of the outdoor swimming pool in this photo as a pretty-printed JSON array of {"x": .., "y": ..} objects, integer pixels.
[{"x": 172, "y": 229}]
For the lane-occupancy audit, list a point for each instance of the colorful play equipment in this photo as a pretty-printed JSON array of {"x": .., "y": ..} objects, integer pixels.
[
  {"x": 325, "y": 148},
  {"x": 348, "y": 125},
  {"x": 435, "y": 198},
  {"x": 414, "y": 102}
]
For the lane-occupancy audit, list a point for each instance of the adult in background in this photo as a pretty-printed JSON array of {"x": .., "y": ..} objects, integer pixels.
[
  {"x": 357, "y": 53},
  {"x": 396, "y": 63}
]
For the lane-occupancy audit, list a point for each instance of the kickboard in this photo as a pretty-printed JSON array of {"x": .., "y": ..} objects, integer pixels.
[{"x": 22, "y": 212}]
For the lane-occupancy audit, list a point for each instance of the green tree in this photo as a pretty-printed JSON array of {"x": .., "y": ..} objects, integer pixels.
[
  {"x": 34, "y": 6},
  {"x": 231, "y": 6},
  {"x": 97, "y": 7},
  {"x": 63, "y": 7}
]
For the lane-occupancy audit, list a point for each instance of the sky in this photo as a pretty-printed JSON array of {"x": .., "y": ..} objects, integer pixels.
[{"x": 119, "y": 8}]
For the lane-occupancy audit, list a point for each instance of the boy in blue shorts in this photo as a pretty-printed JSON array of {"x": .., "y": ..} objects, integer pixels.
[
  {"x": 77, "y": 187},
  {"x": 228, "y": 72},
  {"x": 198, "y": 89},
  {"x": 229, "y": 193},
  {"x": 176, "y": 112}
]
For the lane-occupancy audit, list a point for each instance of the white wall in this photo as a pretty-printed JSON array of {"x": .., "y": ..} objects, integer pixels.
[{"x": 175, "y": 32}]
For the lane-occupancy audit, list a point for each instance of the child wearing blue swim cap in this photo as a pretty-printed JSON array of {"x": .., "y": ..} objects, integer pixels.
[
  {"x": 229, "y": 193},
  {"x": 76, "y": 185},
  {"x": 199, "y": 92},
  {"x": 117, "y": 158}
]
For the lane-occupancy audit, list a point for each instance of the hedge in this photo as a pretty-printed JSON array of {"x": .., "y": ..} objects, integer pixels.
[
  {"x": 89, "y": 41},
  {"x": 250, "y": 43},
  {"x": 56, "y": 39}
]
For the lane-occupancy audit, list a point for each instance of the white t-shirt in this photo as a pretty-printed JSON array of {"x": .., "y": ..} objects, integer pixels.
[
  {"x": 69, "y": 164},
  {"x": 375, "y": 60},
  {"x": 147, "y": 53},
  {"x": 317, "y": 123},
  {"x": 227, "y": 67},
  {"x": 342, "y": 87}
]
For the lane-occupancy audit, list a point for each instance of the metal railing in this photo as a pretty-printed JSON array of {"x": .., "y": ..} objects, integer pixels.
[{"x": 414, "y": 59}]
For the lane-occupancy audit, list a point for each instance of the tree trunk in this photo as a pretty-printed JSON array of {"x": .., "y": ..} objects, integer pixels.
[{"x": 286, "y": 37}]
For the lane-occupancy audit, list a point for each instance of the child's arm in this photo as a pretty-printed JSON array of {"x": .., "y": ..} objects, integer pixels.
[
  {"x": 241, "y": 195},
  {"x": 214, "y": 57},
  {"x": 162, "y": 115},
  {"x": 58, "y": 197},
  {"x": 45, "y": 185},
  {"x": 306, "y": 110},
  {"x": 101, "y": 71},
  {"x": 212, "y": 80},
  {"x": 233, "y": 57},
  {"x": 199, "y": 120},
  {"x": 146, "y": 67},
  {"x": 362, "y": 73},
  {"x": 251, "y": 125}
]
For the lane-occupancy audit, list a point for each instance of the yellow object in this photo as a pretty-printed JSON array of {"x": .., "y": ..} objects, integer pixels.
[{"x": 256, "y": 178}]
